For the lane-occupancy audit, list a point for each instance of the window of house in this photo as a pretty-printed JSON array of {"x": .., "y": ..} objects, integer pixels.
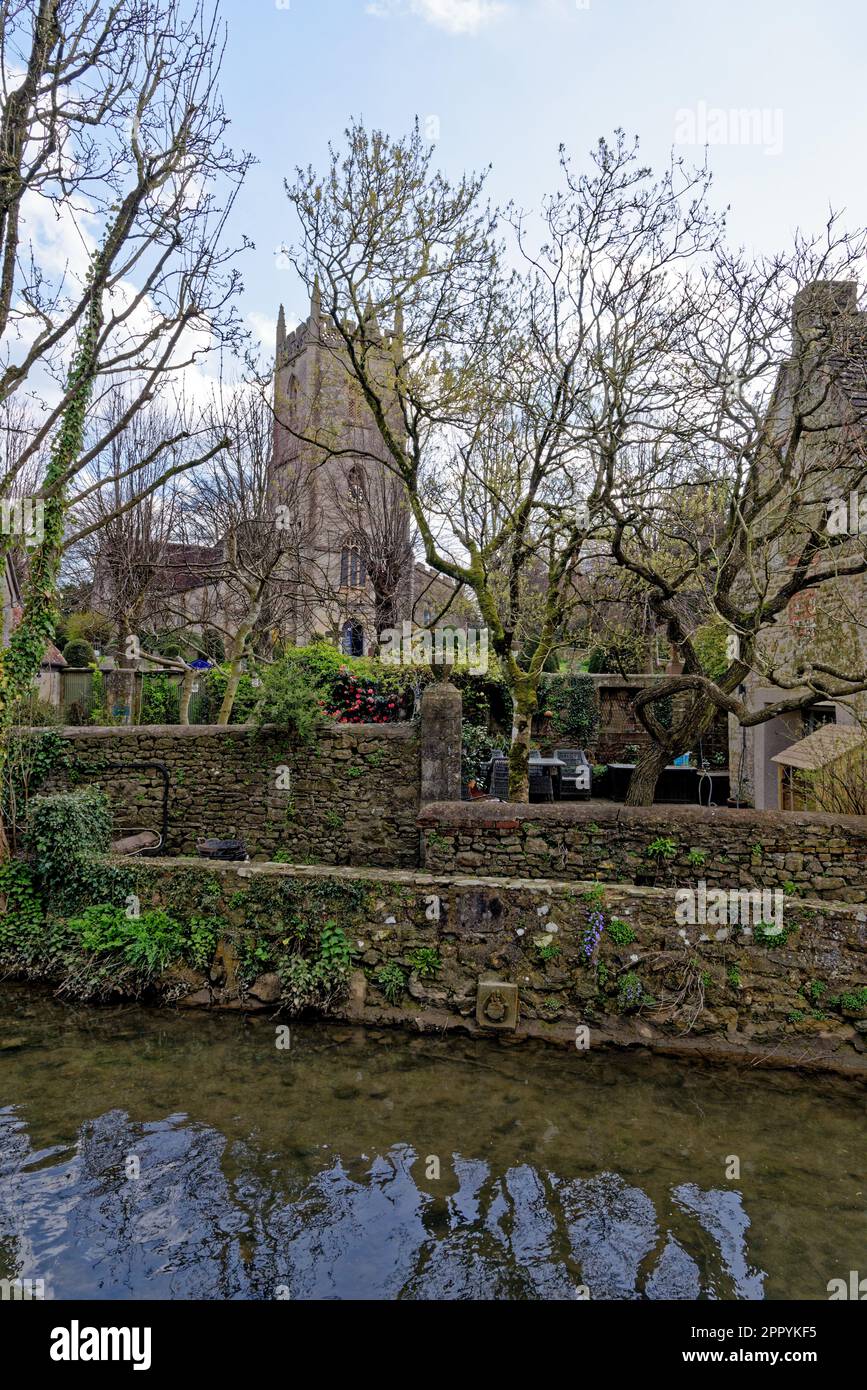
[
  {"x": 355, "y": 484},
  {"x": 815, "y": 717}
]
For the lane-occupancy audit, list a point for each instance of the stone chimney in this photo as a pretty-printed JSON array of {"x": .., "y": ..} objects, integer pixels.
[{"x": 817, "y": 306}]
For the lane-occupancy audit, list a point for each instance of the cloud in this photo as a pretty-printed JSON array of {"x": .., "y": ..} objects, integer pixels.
[{"x": 455, "y": 16}]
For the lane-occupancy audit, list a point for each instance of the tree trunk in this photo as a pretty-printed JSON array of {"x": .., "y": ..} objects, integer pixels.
[
  {"x": 519, "y": 753},
  {"x": 642, "y": 783},
  {"x": 186, "y": 695}
]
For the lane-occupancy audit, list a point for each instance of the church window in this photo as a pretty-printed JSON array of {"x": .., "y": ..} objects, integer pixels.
[{"x": 353, "y": 570}]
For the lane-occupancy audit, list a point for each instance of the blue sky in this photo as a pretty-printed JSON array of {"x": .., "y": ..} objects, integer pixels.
[{"x": 509, "y": 80}]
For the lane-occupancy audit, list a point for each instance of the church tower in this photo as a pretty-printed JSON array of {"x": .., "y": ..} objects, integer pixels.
[{"x": 349, "y": 512}]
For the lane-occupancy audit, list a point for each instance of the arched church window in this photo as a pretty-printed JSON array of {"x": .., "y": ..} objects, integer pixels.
[
  {"x": 353, "y": 638},
  {"x": 353, "y": 570}
]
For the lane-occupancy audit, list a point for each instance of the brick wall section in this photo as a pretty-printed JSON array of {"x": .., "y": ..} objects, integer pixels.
[
  {"x": 353, "y": 797},
  {"x": 824, "y": 856}
]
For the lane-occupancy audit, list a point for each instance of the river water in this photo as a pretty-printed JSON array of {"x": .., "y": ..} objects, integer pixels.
[{"x": 165, "y": 1155}]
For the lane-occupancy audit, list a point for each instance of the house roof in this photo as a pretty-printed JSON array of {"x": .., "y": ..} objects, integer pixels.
[
  {"x": 823, "y": 746},
  {"x": 52, "y": 656}
]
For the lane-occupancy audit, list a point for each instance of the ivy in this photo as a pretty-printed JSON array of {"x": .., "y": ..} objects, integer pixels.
[{"x": 573, "y": 706}]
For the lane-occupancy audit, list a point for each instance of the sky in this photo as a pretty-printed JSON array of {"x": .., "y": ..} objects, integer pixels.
[{"x": 775, "y": 89}]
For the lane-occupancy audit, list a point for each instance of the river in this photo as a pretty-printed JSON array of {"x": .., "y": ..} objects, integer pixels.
[{"x": 162, "y": 1155}]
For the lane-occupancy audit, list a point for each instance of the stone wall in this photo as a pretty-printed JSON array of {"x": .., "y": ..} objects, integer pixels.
[
  {"x": 570, "y": 954},
  {"x": 351, "y": 798},
  {"x": 816, "y": 855}
]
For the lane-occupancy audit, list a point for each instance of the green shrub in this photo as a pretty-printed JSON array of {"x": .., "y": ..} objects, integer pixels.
[
  {"x": 289, "y": 700},
  {"x": 661, "y": 848},
  {"x": 22, "y": 921},
  {"x": 247, "y": 697},
  {"x": 79, "y": 653},
  {"x": 315, "y": 983},
  {"x": 66, "y": 833},
  {"x": 769, "y": 934},
  {"x": 204, "y": 933},
  {"x": 426, "y": 962},
  {"x": 148, "y": 943},
  {"x": 476, "y": 746},
  {"x": 160, "y": 701}
]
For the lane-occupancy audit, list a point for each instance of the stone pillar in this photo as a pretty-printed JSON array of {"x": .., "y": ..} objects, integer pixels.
[{"x": 441, "y": 743}]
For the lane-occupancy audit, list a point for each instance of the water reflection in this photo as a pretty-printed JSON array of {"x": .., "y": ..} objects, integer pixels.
[
  {"x": 185, "y": 1229},
  {"x": 359, "y": 1170}
]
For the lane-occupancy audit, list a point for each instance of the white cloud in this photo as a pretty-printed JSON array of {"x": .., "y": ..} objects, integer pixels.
[
  {"x": 455, "y": 16},
  {"x": 263, "y": 328}
]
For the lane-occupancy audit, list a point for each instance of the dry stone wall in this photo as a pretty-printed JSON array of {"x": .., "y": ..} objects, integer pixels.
[
  {"x": 813, "y": 855},
  {"x": 351, "y": 798}
]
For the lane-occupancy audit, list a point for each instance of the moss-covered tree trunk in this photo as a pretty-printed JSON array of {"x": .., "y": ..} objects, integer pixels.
[{"x": 525, "y": 702}]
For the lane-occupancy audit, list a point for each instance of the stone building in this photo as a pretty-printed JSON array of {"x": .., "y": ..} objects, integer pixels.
[
  {"x": 349, "y": 570},
  {"x": 826, "y": 624},
  {"x": 332, "y": 486}
]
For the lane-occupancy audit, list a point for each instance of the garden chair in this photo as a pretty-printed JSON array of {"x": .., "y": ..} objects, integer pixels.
[
  {"x": 577, "y": 776},
  {"x": 541, "y": 783}
]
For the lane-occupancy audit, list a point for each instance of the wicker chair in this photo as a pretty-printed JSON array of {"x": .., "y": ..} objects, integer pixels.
[
  {"x": 541, "y": 783},
  {"x": 499, "y": 785},
  {"x": 576, "y": 779}
]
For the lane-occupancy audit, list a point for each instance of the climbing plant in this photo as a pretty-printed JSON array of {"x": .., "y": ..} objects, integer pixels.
[{"x": 574, "y": 707}]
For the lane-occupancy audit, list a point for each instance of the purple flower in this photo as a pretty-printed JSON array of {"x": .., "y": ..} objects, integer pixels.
[{"x": 593, "y": 932}]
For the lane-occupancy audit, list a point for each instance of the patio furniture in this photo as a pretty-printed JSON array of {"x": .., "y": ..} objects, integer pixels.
[
  {"x": 499, "y": 784},
  {"x": 541, "y": 782},
  {"x": 554, "y": 767},
  {"x": 576, "y": 777}
]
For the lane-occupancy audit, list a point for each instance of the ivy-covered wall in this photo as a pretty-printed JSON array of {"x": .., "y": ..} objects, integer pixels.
[
  {"x": 349, "y": 798},
  {"x": 814, "y": 854}
]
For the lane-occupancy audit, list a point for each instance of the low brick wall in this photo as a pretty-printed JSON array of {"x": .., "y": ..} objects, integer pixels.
[
  {"x": 352, "y": 798},
  {"x": 724, "y": 994},
  {"x": 821, "y": 856}
]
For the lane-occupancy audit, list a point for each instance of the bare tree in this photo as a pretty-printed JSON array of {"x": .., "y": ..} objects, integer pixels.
[
  {"x": 244, "y": 548},
  {"x": 728, "y": 510},
  {"x": 489, "y": 396},
  {"x": 117, "y": 122}
]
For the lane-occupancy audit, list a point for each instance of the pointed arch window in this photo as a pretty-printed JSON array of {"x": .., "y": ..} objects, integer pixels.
[{"x": 353, "y": 570}]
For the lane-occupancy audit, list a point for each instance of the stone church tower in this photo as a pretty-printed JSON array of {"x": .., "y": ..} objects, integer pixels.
[{"x": 348, "y": 513}]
